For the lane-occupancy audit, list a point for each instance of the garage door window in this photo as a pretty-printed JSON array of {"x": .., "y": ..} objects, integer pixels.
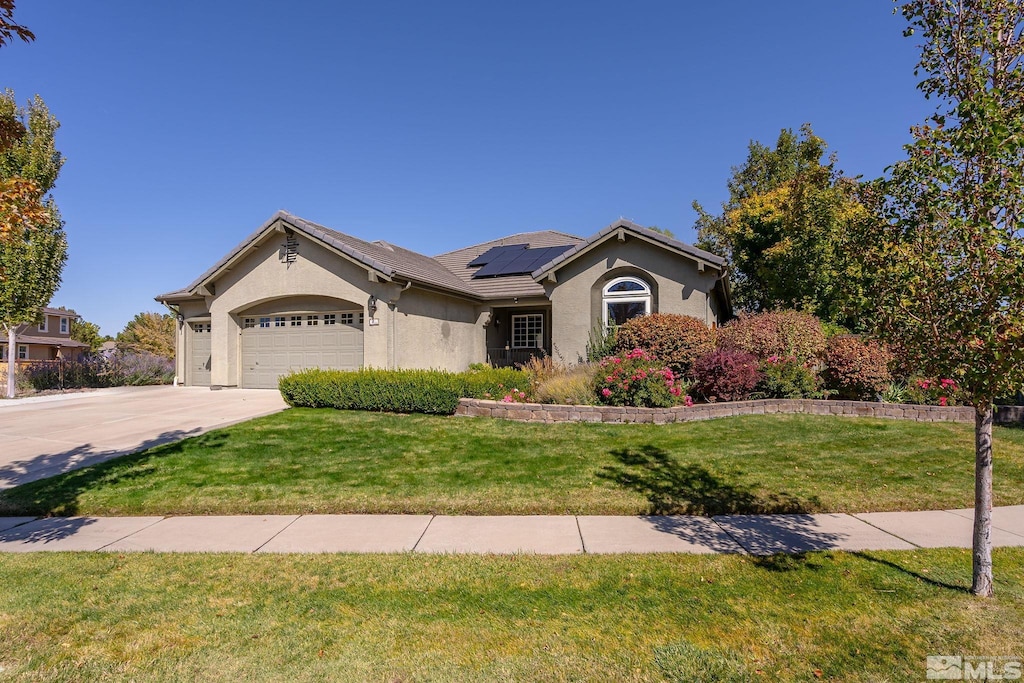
[
  {"x": 264, "y": 322},
  {"x": 329, "y": 319},
  {"x": 312, "y": 320}
]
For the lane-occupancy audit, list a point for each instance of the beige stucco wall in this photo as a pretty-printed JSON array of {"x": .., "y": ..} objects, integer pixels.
[
  {"x": 576, "y": 300},
  {"x": 436, "y": 331},
  {"x": 421, "y": 329}
]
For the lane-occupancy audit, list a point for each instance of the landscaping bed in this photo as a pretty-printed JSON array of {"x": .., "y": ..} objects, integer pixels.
[{"x": 329, "y": 461}]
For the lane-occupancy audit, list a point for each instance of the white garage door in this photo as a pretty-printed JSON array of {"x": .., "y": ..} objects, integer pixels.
[
  {"x": 274, "y": 345},
  {"x": 199, "y": 359}
]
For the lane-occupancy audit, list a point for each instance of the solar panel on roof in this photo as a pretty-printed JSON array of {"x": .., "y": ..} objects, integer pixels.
[
  {"x": 493, "y": 253},
  {"x": 519, "y": 262}
]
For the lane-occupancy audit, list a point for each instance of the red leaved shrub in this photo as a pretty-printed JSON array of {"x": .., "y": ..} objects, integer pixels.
[
  {"x": 775, "y": 333},
  {"x": 675, "y": 340},
  {"x": 856, "y": 369},
  {"x": 726, "y": 375}
]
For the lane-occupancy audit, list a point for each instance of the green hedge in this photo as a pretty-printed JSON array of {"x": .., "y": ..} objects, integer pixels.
[{"x": 398, "y": 391}]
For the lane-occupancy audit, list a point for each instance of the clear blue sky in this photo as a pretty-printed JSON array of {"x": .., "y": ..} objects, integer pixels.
[{"x": 429, "y": 124}]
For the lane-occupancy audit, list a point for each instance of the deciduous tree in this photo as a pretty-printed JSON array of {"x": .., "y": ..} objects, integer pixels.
[
  {"x": 149, "y": 332},
  {"x": 783, "y": 227},
  {"x": 10, "y": 29},
  {"x": 33, "y": 247},
  {"x": 946, "y": 257}
]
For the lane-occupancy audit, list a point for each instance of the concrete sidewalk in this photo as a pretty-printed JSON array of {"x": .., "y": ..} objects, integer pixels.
[{"x": 545, "y": 535}]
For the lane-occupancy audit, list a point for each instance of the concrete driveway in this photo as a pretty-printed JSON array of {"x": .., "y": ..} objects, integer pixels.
[{"x": 49, "y": 435}]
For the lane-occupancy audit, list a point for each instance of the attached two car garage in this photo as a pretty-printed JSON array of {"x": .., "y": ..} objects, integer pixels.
[{"x": 275, "y": 344}]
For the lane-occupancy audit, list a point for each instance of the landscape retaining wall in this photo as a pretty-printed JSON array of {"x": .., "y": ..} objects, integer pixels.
[{"x": 536, "y": 412}]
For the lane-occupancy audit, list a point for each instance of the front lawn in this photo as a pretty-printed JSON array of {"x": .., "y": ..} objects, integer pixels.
[
  {"x": 326, "y": 461},
  {"x": 829, "y": 616}
]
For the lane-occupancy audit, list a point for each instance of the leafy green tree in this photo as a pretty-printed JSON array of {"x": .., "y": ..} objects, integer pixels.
[
  {"x": 783, "y": 228},
  {"x": 946, "y": 258},
  {"x": 88, "y": 333},
  {"x": 33, "y": 247},
  {"x": 9, "y": 29},
  {"x": 149, "y": 332}
]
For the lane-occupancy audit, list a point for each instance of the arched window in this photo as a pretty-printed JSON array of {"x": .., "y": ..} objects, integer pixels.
[{"x": 624, "y": 298}]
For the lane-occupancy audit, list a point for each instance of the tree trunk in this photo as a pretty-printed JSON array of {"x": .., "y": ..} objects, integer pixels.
[
  {"x": 12, "y": 355},
  {"x": 982, "y": 584}
]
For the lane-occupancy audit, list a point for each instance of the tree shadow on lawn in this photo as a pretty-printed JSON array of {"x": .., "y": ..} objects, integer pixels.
[
  {"x": 58, "y": 494},
  {"x": 910, "y": 572},
  {"x": 672, "y": 488}
]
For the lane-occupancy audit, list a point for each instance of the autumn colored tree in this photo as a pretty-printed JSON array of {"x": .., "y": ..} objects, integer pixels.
[
  {"x": 33, "y": 247},
  {"x": 149, "y": 332},
  {"x": 783, "y": 228},
  {"x": 10, "y": 29},
  {"x": 946, "y": 257}
]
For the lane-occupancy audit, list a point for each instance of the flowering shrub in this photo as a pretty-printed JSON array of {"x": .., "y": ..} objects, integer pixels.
[
  {"x": 638, "y": 379},
  {"x": 121, "y": 369},
  {"x": 775, "y": 333},
  {"x": 856, "y": 369},
  {"x": 675, "y": 340},
  {"x": 935, "y": 392},
  {"x": 787, "y": 377},
  {"x": 726, "y": 375},
  {"x": 514, "y": 396}
]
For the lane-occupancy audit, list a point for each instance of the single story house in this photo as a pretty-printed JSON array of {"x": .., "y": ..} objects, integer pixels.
[
  {"x": 296, "y": 295},
  {"x": 49, "y": 339}
]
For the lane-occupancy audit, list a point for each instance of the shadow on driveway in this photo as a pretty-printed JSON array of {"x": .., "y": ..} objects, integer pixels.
[{"x": 58, "y": 495}]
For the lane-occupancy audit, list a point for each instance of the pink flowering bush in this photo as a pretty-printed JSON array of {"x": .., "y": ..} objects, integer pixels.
[
  {"x": 637, "y": 379},
  {"x": 935, "y": 392},
  {"x": 675, "y": 340}
]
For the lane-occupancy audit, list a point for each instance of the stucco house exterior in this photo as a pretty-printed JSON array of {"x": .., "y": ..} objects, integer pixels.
[
  {"x": 49, "y": 339},
  {"x": 295, "y": 295}
]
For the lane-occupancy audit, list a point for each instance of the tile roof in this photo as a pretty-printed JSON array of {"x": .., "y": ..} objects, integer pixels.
[
  {"x": 391, "y": 259},
  {"x": 448, "y": 271},
  {"x": 509, "y": 286}
]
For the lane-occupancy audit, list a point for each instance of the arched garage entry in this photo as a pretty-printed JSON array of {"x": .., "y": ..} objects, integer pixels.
[{"x": 296, "y": 334}]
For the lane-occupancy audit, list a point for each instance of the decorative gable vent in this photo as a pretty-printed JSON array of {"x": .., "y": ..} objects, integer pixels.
[{"x": 290, "y": 249}]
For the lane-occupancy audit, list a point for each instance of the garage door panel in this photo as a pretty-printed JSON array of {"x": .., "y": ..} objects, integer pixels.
[
  {"x": 199, "y": 359},
  {"x": 268, "y": 353}
]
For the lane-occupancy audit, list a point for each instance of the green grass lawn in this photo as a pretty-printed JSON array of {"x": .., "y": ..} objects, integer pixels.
[
  {"x": 850, "y": 617},
  {"x": 306, "y": 461}
]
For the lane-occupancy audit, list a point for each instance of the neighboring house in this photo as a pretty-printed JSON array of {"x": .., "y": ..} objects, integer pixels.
[
  {"x": 295, "y": 295},
  {"x": 48, "y": 340}
]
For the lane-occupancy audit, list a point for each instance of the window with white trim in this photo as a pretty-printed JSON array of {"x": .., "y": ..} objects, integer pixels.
[
  {"x": 22, "y": 352},
  {"x": 42, "y": 325},
  {"x": 528, "y": 331},
  {"x": 313, "y": 320},
  {"x": 249, "y": 323},
  {"x": 624, "y": 298},
  {"x": 265, "y": 322},
  {"x": 279, "y": 321},
  {"x": 330, "y": 319},
  {"x": 64, "y": 325},
  {"x": 296, "y": 321}
]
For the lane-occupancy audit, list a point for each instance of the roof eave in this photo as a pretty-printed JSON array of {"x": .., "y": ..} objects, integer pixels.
[{"x": 699, "y": 256}]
